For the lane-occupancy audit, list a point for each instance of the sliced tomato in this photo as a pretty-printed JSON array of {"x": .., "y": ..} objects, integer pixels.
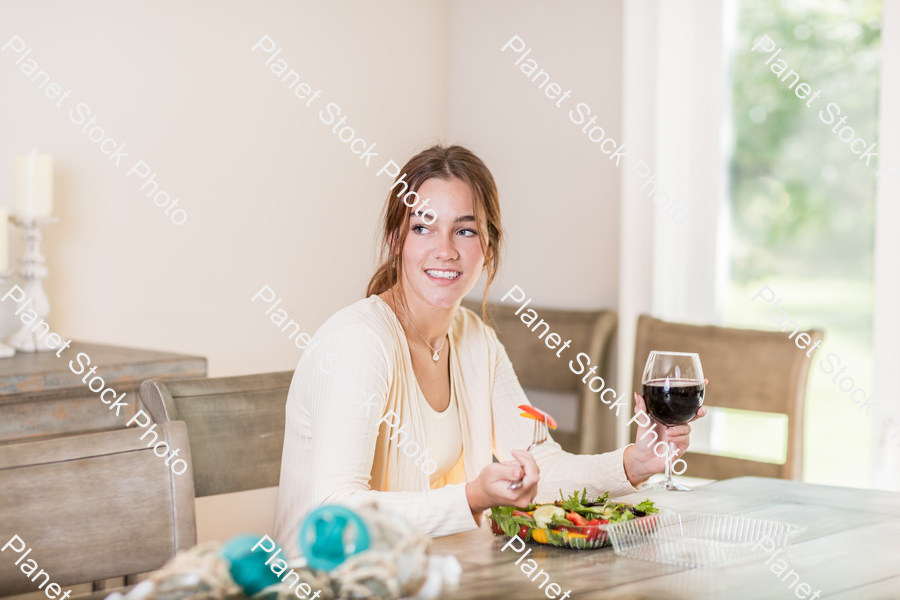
[{"x": 577, "y": 519}]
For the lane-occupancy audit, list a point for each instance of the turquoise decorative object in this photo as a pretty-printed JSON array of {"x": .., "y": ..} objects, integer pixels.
[
  {"x": 327, "y": 537},
  {"x": 248, "y": 568}
]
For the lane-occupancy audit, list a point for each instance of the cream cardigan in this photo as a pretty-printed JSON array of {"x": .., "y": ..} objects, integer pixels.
[{"x": 336, "y": 441}]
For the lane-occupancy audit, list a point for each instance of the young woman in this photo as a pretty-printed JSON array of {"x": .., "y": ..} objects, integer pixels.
[{"x": 402, "y": 398}]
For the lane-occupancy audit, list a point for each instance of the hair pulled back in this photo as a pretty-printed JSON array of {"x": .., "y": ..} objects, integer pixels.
[{"x": 442, "y": 162}]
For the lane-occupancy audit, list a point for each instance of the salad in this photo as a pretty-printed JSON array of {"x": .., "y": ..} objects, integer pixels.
[{"x": 575, "y": 522}]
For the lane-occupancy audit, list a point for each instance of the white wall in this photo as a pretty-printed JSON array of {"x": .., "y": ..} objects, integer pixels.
[
  {"x": 558, "y": 191},
  {"x": 559, "y": 194},
  {"x": 886, "y": 326},
  {"x": 640, "y": 54},
  {"x": 273, "y": 197},
  {"x": 676, "y": 120}
]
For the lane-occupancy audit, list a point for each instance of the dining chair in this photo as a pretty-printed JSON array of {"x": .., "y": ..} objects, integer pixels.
[
  {"x": 538, "y": 368},
  {"x": 760, "y": 371},
  {"x": 235, "y": 425},
  {"x": 92, "y": 507}
]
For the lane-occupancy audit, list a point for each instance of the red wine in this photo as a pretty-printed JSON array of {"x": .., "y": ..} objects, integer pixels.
[{"x": 673, "y": 401}]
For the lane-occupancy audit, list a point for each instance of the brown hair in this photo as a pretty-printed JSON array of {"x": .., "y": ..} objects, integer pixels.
[{"x": 444, "y": 163}]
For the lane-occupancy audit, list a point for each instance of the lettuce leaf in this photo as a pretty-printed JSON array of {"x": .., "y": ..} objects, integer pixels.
[
  {"x": 601, "y": 500},
  {"x": 572, "y": 503},
  {"x": 557, "y": 539},
  {"x": 647, "y": 507},
  {"x": 621, "y": 514},
  {"x": 510, "y": 523},
  {"x": 557, "y": 520}
]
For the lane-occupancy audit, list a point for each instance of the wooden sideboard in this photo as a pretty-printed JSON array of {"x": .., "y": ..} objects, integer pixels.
[{"x": 41, "y": 397}]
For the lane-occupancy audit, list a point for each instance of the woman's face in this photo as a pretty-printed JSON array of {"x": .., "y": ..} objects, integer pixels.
[{"x": 442, "y": 261}]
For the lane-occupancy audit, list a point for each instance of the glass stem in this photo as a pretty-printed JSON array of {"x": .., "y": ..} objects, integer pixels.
[{"x": 669, "y": 462}]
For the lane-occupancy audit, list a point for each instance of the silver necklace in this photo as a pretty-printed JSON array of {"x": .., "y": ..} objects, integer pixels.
[{"x": 436, "y": 356}]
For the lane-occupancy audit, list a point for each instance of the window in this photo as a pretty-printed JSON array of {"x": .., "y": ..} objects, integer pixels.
[{"x": 802, "y": 206}]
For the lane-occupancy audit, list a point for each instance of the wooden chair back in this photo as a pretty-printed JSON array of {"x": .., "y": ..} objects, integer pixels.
[
  {"x": 235, "y": 424},
  {"x": 762, "y": 371},
  {"x": 93, "y": 507},
  {"x": 538, "y": 367}
]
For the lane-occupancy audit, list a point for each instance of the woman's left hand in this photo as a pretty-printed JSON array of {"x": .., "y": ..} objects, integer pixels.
[{"x": 639, "y": 459}]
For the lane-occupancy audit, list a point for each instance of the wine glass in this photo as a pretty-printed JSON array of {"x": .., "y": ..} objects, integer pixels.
[{"x": 673, "y": 389}]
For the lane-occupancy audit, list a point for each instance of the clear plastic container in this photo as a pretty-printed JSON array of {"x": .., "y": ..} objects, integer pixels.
[{"x": 700, "y": 539}]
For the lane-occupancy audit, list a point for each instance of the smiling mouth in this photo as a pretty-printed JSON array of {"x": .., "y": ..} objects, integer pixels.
[{"x": 443, "y": 274}]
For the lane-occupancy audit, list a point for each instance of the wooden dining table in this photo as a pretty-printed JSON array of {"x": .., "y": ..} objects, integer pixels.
[{"x": 850, "y": 550}]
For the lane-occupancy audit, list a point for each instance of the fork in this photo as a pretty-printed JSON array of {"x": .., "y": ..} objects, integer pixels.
[{"x": 539, "y": 437}]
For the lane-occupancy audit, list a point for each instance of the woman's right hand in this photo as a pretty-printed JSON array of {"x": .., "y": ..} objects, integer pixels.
[{"x": 491, "y": 487}]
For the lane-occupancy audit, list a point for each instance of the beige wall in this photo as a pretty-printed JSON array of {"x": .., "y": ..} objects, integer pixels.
[
  {"x": 559, "y": 193},
  {"x": 272, "y": 196}
]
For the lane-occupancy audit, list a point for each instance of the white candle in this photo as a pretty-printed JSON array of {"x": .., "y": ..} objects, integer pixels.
[
  {"x": 4, "y": 241},
  {"x": 33, "y": 185}
]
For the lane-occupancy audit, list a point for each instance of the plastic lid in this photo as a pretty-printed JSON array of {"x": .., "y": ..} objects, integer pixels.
[{"x": 331, "y": 534}]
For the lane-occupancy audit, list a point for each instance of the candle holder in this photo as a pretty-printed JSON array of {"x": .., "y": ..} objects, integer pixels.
[
  {"x": 6, "y": 351},
  {"x": 34, "y": 271}
]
